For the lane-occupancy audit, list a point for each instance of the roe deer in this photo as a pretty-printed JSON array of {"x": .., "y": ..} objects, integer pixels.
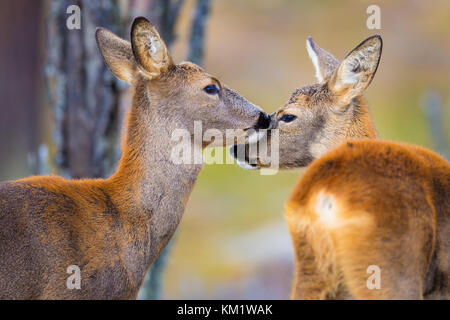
[
  {"x": 367, "y": 203},
  {"x": 114, "y": 228}
]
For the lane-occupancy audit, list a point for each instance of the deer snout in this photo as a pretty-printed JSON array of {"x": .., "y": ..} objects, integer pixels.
[
  {"x": 254, "y": 133},
  {"x": 263, "y": 122},
  {"x": 242, "y": 152}
]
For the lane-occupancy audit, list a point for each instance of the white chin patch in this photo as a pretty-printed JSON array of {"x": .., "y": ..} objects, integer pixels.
[
  {"x": 245, "y": 165},
  {"x": 255, "y": 137}
]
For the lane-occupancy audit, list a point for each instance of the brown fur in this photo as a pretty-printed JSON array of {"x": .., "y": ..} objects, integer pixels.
[
  {"x": 363, "y": 203},
  {"x": 329, "y": 112},
  {"x": 114, "y": 228},
  {"x": 391, "y": 204}
]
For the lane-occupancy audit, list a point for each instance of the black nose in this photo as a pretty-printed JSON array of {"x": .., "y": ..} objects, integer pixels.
[{"x": 263, "y": 121}]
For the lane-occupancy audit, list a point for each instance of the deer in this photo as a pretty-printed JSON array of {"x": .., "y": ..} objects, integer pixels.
[
  {"x": 113, "y": 229},
  {"x": 369, "y": 219}
]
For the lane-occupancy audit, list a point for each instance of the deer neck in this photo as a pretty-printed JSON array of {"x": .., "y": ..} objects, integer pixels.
[
  {"x": 149, "y": 188},
  {"x": 355, "y": 123},
  {"x": 361, "y": 125}
]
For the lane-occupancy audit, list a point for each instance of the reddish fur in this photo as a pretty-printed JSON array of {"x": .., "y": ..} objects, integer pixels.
[
  {"x": 399, "y": 199},
  {"x": 366, "y": 202},
  {"x": 90, "y": 223}
]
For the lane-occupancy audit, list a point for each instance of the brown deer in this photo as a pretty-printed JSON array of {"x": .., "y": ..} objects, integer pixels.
[
  {"x": 366, "y": 204},
  {"x": 114, "y": 228}
]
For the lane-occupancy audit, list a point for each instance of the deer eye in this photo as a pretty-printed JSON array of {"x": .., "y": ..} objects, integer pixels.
[
  {"x": 211, "y": 89},
  {"x": 288, "y": 118}
]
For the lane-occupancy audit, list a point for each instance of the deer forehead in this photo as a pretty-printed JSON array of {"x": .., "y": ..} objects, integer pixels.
[
  {"x": 189, "y": 72},
  {"x": 189, "y": 68},
  {"x": 310, "y": 96}
]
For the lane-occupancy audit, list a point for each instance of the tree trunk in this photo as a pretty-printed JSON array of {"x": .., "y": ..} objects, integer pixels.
[
  {"x": 20, "y": 82},
  {"x": 83, "y": 93}
]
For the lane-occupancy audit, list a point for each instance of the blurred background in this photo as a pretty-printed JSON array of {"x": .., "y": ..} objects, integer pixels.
[{"x": 61, "y": 110}]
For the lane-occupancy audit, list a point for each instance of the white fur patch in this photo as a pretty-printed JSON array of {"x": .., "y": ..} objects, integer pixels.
[
  {"x": 155, "y": 44},
  {"x": 363, "y": 61},
  {"x": 315, "y": 60},
  {"x": 333, "y": 216},
  {"x": 326, "y": 209},
  {"x": 348, "y": 77}
]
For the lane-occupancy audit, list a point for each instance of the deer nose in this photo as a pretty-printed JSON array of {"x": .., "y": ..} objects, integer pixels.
[{"x": 263, "y": 121}]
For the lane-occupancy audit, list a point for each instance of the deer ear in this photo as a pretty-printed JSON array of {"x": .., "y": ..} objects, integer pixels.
[
  {"x": 149, "y": 49},
  {"x": 357, "y": 70},
  {"x": 117, "y": 54},
  {"x": 324, "y": 62}
]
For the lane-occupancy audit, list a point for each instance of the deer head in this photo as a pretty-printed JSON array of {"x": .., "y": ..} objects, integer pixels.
[
  {"x": 320, "y": 116},
  {"x": 174, "y": 94}
]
